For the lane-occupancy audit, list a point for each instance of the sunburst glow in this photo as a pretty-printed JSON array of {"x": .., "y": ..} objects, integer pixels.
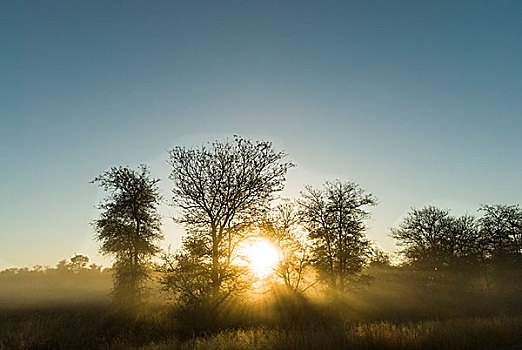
[{"x": 262, "y": 257}]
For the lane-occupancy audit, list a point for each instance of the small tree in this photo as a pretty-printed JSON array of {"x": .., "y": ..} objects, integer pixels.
[
  {"x": 334, "y": 217},
  {"x": 281, "y": 225},
  {"x": 129, "y": 227},
  {"x": 75, "y": 264},
  {"x": 187, "y": 275},
  {"x": 79, "y": 262},
  {"x": 379, "y": 258},
  {"x": 221, "y": 189}
]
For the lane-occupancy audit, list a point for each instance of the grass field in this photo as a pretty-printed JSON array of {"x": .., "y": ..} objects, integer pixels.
[
  {"x": 467, "y": 333},
  {"x": 390, "y": 313},
  {"x": 100, "y": 327}
]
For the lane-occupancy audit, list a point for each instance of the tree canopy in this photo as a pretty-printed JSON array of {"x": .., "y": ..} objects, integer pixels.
[
  {"x": 221, "y": 189},
  {"x": 501, "y": 232},
  {"x": 431, "y": 237}
]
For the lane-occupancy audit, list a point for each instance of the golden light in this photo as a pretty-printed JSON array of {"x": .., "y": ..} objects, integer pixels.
[{"x": 262, "y": 256}]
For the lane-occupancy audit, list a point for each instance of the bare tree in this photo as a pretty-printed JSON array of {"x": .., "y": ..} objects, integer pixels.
[
  {"x": 281, "y": 225},
  {"x": 129, "y": 227},
  {"x": 334, "y": 217},
  {"x": 221, "y": 188},
  {"x": 431, "y": 238},
  {"x": 501, "y": 231}
]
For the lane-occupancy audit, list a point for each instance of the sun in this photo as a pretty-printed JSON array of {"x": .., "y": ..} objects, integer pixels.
[{"x": 262, "y": 256}]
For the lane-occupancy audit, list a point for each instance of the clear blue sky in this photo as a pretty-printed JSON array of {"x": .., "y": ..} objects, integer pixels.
[{"x": 419, "y": 102}]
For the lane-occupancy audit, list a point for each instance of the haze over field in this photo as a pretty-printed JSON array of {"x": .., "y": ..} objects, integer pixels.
[{"x": 419, "y": 103}]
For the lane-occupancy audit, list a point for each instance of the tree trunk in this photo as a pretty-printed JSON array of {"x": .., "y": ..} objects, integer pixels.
[
  {"x": 214, "y": 273},
  {"x": 341, "y": 251}
]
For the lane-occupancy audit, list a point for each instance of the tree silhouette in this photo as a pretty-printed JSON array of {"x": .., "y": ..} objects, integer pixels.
[
  {"x": 221, "y": 188},
  {"x": 79, "y": 262},
  {"x": 281, "y": 225},
  {"x": 187, "y": 274},
  {"x": 76, "y": 263},
  {"x": 334, "y": 217},
  {"x": 501, "y": 232},
  {"x": 129, "y": 227},
  {"x": 431, "y": 238},
  {"x": 379, "y": 258}
]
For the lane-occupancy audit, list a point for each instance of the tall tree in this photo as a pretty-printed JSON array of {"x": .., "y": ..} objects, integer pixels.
[
  {"x": 334, "y": 217},
  {"x": 221, "y": 188},
  {"x": 129, "y": 227}
]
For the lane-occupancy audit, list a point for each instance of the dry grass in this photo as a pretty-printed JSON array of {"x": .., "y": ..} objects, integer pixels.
[
  {"x": 465, "y": 333},
  {"x": 95, "y": 328}
]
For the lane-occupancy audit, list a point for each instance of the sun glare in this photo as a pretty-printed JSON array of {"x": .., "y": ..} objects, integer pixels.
[{"x": 262, "y": 257}]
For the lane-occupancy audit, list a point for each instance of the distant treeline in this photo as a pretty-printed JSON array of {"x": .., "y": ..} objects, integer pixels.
[
  {"x": 77, "y": 264},
  {"x": 70, "y": 281}
]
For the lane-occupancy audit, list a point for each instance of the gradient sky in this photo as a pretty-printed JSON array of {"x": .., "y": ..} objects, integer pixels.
[{"x": 419, "y": 102}]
